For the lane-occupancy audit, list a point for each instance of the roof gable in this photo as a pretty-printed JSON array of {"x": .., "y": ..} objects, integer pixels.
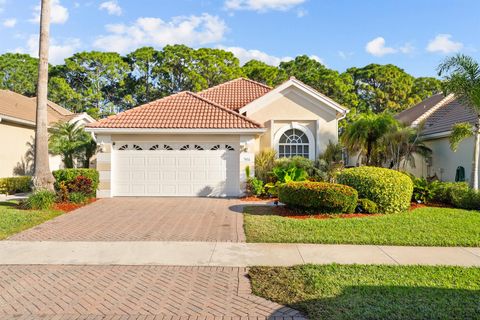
[
  {"x": 309, "y": 93},
  {"x": 184, "y": 110},
  {"x": 236, "y": 93}
]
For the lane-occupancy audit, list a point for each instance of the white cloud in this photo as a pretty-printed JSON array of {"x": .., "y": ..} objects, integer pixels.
[
  {"x": 191, "y": 30},
  {"x": 9, "y": 23},
  {"x": 262, "y": 5},
  {"x": 112, "y": 7},
  {"x": 58, "y": 13},
  {"x": 301, "y": 13},
  {"x": 58, "y": 51},
  {"x": 442, "y": 43},
  {"x": 245, "y": 55},
  {"x": 377, "y": 47}
]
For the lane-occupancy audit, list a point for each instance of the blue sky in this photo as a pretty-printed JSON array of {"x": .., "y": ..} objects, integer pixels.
[{"x": 415, "y": 35}]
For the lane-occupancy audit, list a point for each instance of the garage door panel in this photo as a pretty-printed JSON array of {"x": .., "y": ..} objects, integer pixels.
[{"x": 175, "y": 173}]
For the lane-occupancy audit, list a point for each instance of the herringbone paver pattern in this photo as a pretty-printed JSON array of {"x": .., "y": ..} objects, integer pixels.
[
  {"x": 132, "y": 292},
  {"x": 145, "y": 219}
]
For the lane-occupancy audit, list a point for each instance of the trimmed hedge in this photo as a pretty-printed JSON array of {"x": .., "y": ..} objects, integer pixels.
[
  {"x": 443, "y": 192},
  {"x": 389, "y": 189},
  {"x": 15, "y": 184},
  {"x": 68, "y": 176},
  {"x": 367, "y": 206},
  {"x": 465, "y": 199},
  {"x": 319, "y": 196}
]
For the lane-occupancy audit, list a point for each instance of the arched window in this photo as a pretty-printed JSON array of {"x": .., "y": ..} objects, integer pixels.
[{"x": 293, "y": 142}]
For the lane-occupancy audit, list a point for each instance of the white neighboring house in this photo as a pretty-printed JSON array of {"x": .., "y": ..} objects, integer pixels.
[
  {"x": 17, "y": 129},
  {"x": 437, "y": 115},
  {"x": 199, "y": 144}
]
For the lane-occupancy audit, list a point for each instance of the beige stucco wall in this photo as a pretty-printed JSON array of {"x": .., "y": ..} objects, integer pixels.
[
  {"x": 444, "y": 160},
  {"x": 13, "y": 145},
  {"x": 292, "y": 106},
  {"x": 14, "y": 140}
]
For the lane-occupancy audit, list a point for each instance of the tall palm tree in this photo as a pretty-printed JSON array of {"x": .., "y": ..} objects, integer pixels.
[
  {"x": 71, "y": 142},
  {"x": 462, "y": 78},
  {"x": 364, "y": 133},
  {"x": 42, "y": 177}
]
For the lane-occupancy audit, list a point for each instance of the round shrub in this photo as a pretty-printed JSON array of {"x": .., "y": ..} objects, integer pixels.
[
  {"x": 366, "y": 206},
  {"x": 77, "y": 197},
  {"x": 389, "y": 189},
  {"x": 319, "y": 196}
]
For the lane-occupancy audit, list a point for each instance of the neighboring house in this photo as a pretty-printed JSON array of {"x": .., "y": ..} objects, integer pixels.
[
  {"x": 436, "y": 116},
  {"x": 199, "y": 144},
  {"x": 17, "y": 131}
]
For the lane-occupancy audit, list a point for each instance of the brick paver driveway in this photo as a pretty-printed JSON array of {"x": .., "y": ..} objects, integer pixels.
[
  {"x": 132, "y": 292},
  {"x": 144, "y": 219}
]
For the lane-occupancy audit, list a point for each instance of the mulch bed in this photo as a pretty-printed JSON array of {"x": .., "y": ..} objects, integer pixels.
[
  {"x": 68, "y": 206},
  {"x": 257, "y": 199},
  {"x": 283, "y": 211}
]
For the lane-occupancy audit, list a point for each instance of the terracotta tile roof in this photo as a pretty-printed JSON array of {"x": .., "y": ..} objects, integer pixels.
[
  {"x": 184, "y": 110},
  {"x": 235, "y": 94},
  {"x": 443, "y": 119},
  {"x": 24, "y": 108}
]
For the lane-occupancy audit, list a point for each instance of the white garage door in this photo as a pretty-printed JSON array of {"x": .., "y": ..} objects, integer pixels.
[{"x": 172, "y": 169}]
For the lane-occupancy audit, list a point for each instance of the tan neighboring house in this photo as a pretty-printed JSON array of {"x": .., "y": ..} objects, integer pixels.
[
  {"x": 17, "y": 130},
  {"x": 437, "y": 115},
  {"x": 199, "y": 144}
]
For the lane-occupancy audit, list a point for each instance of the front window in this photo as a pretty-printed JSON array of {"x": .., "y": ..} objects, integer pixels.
[{"x": 293, "y": 142}]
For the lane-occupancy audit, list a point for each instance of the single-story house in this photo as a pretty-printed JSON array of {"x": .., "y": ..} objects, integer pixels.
[
  {"x": 17, "y": 131},
  {"x": 436, "y": 116},
  {"x": 199, "y": 144}
]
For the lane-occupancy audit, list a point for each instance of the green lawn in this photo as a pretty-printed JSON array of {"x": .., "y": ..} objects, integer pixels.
[
  {"x": 14, "y": 220},
  {"x": 372, "y": 292},
  {"x": 421, "y": 227}
]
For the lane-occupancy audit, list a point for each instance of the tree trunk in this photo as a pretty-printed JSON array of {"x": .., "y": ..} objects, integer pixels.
[
  {"x": 476, "y": 154},
  {"x": 42, "y": 178}
]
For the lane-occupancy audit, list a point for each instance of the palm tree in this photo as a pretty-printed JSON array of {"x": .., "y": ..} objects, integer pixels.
[
  {"x": 462, "y": 78},
  {"x": 364, "y": 133},
  {"x": 42, "y": 178},
  {"x": 71, "y": 142},
  {"x": 400, "y": 146}
]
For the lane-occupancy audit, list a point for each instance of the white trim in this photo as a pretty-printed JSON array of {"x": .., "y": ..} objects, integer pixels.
[
  {"x": 173, "y": 131},
  {"x": 437, "y": 135},
  {"x": 265, "y": 99},
  {"x": 17, "y": 120},
  {"x": 82, "y": 116},
  {"x": 428, "y": 113},
  {"x": 308, "y": 133}
]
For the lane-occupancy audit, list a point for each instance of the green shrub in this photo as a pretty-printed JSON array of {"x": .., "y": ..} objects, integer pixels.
[
  {"x": 366, "y": 206},
  {"x": 264, "y": 163},
  {"x": 40, "y": 200},
  {"x": 77, "y": 197},
  {"x": 257, "y": 187},
  {"x": 300, "y": 162},
  {"x": 442, "y": 191},
  {"x": 465, "y": 199},
  {"x": 389, "y": 189},
  {"x": 285, "y": 175},
  {"x": 319, "y": 196},
  {"x": 15, "y": 184},
  {"x": 70, "y": 175},
  {"x": 422, "y": 190}
]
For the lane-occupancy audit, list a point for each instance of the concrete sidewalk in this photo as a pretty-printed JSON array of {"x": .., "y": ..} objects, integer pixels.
[{"x": 226, "y": 254}]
